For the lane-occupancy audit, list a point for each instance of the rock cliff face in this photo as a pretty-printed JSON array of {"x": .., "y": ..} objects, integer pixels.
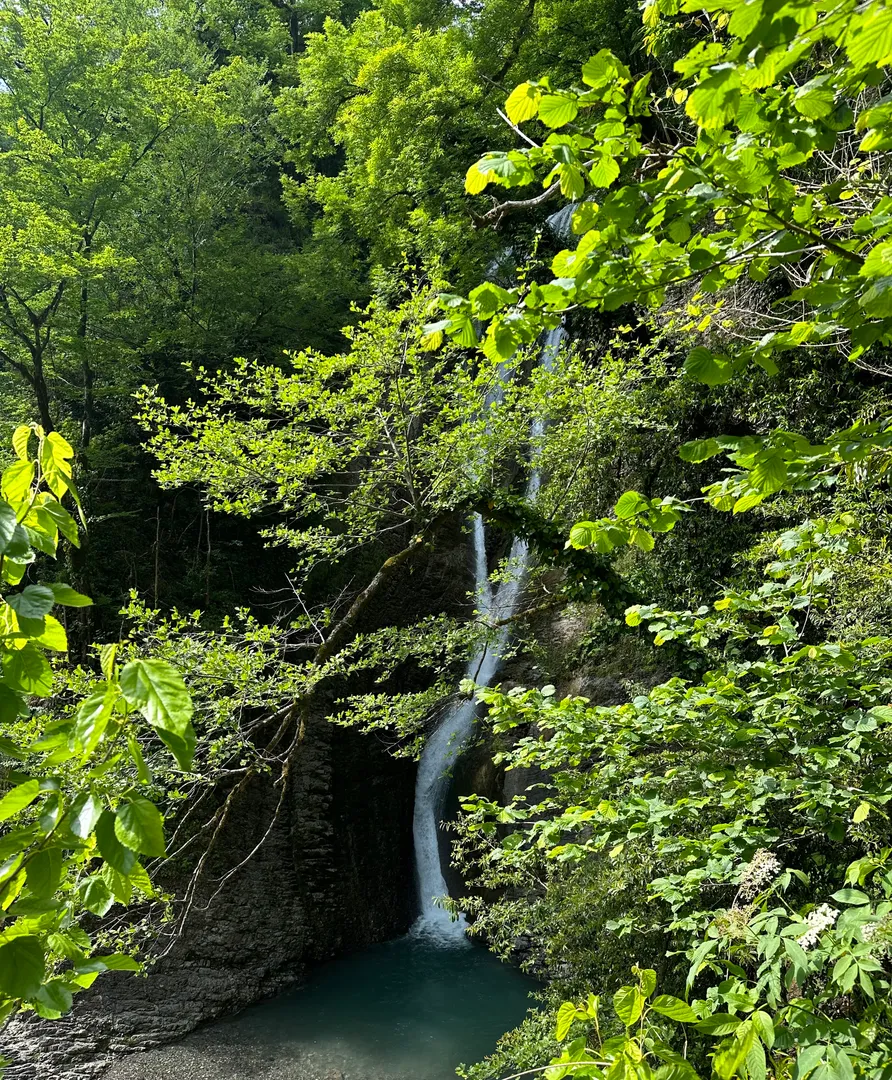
[{"x": 335, "y": 874}]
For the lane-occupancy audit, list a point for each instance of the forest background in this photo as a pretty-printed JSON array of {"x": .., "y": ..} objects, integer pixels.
[{"x": 309, "y": 187}]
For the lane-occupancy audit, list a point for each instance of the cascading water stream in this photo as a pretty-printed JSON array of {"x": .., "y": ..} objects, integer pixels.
[{"x": 446, "y": 744}]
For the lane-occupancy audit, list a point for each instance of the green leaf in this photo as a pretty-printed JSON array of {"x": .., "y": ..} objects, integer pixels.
[
  {"x": 182, "y": 747},
  {"x": 15, "y": 485},
  {"x": 719, "y": 1024},
  {"x": 604, "y": 69},
  {"x": 647, "y": 979},
  {"x": 53, "y": 999},
  {"x": 55, "y": 463},
  {"x": 95, "y": 895},
  {"x": 10, "y": 867},
  {"x": 8, "y": 524},
  {"x": 572, "y": 182},
  {"x": 158, "y": 690},
  {"x": 522, "y": 103},
  {"x": 487, "y": 299},
  {"x": 878, "y": 261},
  {"x": 62, "y": 520},
  {"x": 33, "y": 602},
  {"x": 53, "y": 635},
  {"x": 807, "y": 1060},
  {"x": 73, "y": 944},
  {"x": 582, "y": 535},
  {"x": 12, "y": 705},
  {"x": 814, "y": 99},
  {"x": 603, "y": 170},
  {"x": 676, "y": 1070},
  {"x": 850, "y": 896},
  {"x": 28, "y": 670},
  {"x": 699, "y": 450},
  {"x": 629, "y": 503},
  {"x": 870, "y": 40},
  {"x": 840, "y": 1064},
  {"x": 19, "y": 551},
  {"x": 83, "y": 815},
  {"x": 755, "y": 1062},
  {"x": 17, "y": 799},
  {"x": 20, "y": 439},
  {"x": 475, "y": 182},
  {"x": 769, "y": 473},
  {"x": 566, "y": 1014},
  {"x": 139, "y": 825},
  {"x": 91, "y": 720},
  {"x": 135, "y": 751},
  {"x": 107, "y": 656},
  {"x": 64, "y": 594},
  {"x": 119, "y": 856},
  {"x": 862, "y": 810},
  {"x": 764, "y": 1026},
  {"x": 628, "y": 1003},
  {"x": 698, "y": 957},
  {"x": 43, "y": 872},
  {"x": 716, "y": 99},
  {"x": 748, "y": 501},
  {"x": 140, "y": 880},
  {"x": 707, "y": 368},
  {"x": 7, "y": 747},
  {"x": 638, "y": 100},
  {"x": 674, "y": 1008},
  {"x": 119, "y": 962},
  {"x": 461, "y": 330},
  {"x": 877, "y": 300},
  {"x": 50, "y": 813},
  {"x": 557, "y": 110},
  {"x": 505, "y": 167},
  {"x": 746, "y": 18},
  {"x": 22, "y": 967},
  {"x": 121, "y": 886},
  {"x": 642, "y": 539},
  {"x": 798, "y": 958},
  {"x": 733, "y": 1053}
]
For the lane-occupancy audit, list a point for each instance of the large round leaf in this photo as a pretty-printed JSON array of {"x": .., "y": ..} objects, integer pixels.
[
  {"x": 22, "y": 967},
  {"x": 139, "y": 825}
]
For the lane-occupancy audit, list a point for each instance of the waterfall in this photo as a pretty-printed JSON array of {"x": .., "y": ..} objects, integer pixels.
[{"x": 445, "y": 745}]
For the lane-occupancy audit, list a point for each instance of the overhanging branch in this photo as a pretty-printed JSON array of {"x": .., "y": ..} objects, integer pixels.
[{"x": 492, "y": 219}]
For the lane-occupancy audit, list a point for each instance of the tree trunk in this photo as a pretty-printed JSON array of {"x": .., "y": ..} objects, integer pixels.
[
  {"x": 87, "y": 370},
  {"x": 42, "y": 393}
]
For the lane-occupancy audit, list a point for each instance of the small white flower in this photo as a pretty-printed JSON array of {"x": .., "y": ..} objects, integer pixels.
[
  {"x": 762, "y": 869},
  {"x": 819, "y": 920}
]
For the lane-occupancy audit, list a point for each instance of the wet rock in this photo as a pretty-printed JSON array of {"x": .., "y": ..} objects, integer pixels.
[{"x": 332, "y": 877}]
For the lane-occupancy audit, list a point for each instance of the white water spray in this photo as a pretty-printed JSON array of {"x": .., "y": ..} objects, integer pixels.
[{"x": 446, "y": 744}]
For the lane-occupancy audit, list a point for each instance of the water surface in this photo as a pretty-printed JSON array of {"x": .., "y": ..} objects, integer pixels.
[{"x": 410, "y": 1009}]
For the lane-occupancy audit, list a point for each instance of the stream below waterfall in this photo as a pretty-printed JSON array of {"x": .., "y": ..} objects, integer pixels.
[{"x": 410, "y": 1009}]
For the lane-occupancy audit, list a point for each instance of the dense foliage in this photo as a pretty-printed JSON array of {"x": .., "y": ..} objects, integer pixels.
[
  {"x": 225, "y": 230},
  {"x": 76, "y": 816}
]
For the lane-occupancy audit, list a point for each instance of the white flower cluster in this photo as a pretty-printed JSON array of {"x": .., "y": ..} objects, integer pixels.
[
  {"x": 761, "y": 871},
  {"x": 880, "y": 933},
  {"x": 819, "y": 920}
]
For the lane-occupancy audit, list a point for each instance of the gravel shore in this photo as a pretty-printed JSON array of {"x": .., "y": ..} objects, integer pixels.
[
  {"x": 218, "y": 1054},
  {"x": 196, "y": 1059}
]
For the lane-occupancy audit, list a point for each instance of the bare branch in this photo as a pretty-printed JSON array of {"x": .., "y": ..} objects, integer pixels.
[{"x": 492, "y": 219}]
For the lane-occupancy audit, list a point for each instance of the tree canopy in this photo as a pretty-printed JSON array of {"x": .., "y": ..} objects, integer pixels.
[{"x": 330, "y": 288}]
